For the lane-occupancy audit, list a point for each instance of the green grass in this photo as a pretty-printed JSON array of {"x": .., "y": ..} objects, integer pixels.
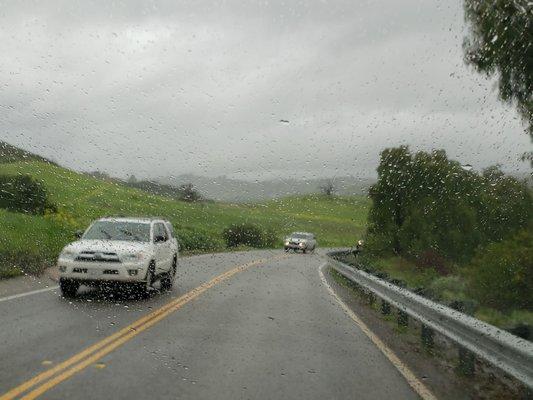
[
  {"x": 336, "y": 221},
  {"x": 505, "y": 320},
  {"x": 399, "y": 268}
]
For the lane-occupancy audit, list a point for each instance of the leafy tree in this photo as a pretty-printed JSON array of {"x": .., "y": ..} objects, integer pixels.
[
  {"x": 189, "y": 193},
  {"x": 328, "y": 188},
  {"x": 390, "y": 195},
  {"x": 424, "y": 202},
  {"x": 501, "y": 41}
]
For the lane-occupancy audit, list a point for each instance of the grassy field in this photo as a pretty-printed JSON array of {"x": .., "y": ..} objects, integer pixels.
[{"x": 337, "y": 221}]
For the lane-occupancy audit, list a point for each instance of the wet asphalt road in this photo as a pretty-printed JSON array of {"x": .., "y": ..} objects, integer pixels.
[{"x": 268, "y": 332}]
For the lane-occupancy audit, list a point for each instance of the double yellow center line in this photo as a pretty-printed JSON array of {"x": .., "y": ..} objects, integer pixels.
[{"x": 63, "y": 371}]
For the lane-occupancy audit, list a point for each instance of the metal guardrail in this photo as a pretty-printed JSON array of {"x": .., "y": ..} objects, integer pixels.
[{"x": 503, "y": 350}]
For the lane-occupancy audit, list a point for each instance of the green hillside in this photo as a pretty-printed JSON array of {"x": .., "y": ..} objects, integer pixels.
[
  {"x": 9, "y": 153},
  {"x": 80, "y": 199}
]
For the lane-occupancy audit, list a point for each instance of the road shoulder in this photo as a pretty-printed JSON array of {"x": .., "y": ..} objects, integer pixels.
[{"x": 441, "y": 381}]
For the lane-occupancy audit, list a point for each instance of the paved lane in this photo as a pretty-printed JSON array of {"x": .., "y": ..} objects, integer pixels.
[{"x": 269, "y": 331}]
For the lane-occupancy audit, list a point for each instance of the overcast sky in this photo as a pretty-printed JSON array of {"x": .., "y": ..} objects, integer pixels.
[{"x": 165, "y": 88}]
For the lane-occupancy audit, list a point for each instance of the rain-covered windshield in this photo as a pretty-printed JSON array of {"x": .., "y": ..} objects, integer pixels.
[
  {"x": 114, "y": 230},
  {"x": 281, "y": 199}
]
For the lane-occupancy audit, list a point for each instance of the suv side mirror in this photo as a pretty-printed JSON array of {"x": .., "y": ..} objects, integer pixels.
[
  {"x": 160, "y": 239},
  {"x": 78, "y": 234}
]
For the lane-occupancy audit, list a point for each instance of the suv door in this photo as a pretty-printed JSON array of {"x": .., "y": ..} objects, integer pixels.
[
  {"x": 175, "y": 246},
  {"x": 312, "y": 242},
  {"x": 163, "y": 251}
]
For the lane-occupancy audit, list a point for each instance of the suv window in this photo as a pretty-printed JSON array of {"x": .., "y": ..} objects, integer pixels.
[
  {"x": 160, "y": 230},
  {"x": 118, "y": 230},
  {"x": 170, "y": 228}
]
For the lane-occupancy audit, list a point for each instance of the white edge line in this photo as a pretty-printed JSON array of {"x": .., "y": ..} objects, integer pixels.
[
  {"x": 17, "y": 296},
  {"x": 409, "y": 376}
]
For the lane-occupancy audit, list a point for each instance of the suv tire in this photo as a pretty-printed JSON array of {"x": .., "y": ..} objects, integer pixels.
[
  {"x": 144, "y": 288},
  {"x": 68, "y": 287},
  {"x": 167, "y": 281}
]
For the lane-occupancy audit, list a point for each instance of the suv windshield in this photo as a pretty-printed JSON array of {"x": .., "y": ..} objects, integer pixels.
[
  {"x": 127, "y": 231},
  {"x": 300, "y": 236}
]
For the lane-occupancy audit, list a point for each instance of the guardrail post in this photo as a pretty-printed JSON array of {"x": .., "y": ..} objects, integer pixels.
[
  {"x": 427, "y": 337},
  {"x": 403, "y": 318},
  {"x": 371, "y": 298},
  {"x": 467, "y": 362},
  {"x": 385, "y": 307}
]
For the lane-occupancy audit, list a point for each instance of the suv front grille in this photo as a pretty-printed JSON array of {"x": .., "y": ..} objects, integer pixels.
[
  {"x": 110, "y": 272},
  {"x": 97, "y": 256}
]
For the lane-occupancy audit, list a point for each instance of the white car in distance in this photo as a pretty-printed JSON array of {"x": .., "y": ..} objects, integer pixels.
[
  {"x": 300, "y": 241},
  {"x": 134, "y": 251}
]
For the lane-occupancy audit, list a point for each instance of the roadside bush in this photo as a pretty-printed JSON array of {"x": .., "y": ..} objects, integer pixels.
[
  {"x": 449, "y": 288},
  {"x": 194, "y": 239},
  {"x": 501, "y": 275},
  {"x": 243, "y": 234},
  {"x": 23, "y": 194},
  {"x": 248, "y": 235},
  {"x": 269, "y": 239},
  {"x": 14, "y": 263},
  {"x": 432, "y": 259}
]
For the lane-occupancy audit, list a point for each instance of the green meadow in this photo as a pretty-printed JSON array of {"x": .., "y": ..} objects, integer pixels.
[{"x": 336, "y": 221}]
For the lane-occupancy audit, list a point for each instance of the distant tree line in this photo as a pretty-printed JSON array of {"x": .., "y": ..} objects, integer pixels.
[{"x": 186, "y": 192}]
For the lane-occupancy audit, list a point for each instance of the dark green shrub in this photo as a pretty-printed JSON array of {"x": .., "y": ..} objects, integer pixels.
[
  {"x": 247, "y": 234},
  {"x": 194, "y": 239},
  {"x": 432, "y": 259},
  {"x": 13, "y": 263},
  {"x": 23, "y": 194},
  {"x": 501, "y": 275},
  {"x": 243, "y": 234},
  {"x": 269, "y": 239}
]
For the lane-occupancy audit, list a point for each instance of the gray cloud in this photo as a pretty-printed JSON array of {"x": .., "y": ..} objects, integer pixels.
[{"x": 166, "y": 88}]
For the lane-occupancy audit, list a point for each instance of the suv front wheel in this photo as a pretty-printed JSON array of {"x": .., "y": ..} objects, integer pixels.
[
  {"x": 68, "y": 287},
  {"x": 143, "y": 288},
  {"x": 168, "y": 279}
]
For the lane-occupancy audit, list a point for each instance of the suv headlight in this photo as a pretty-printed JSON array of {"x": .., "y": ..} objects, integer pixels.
[
  {"x": 134, "y": 256},
  {"x": 67, "y": 254}
]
